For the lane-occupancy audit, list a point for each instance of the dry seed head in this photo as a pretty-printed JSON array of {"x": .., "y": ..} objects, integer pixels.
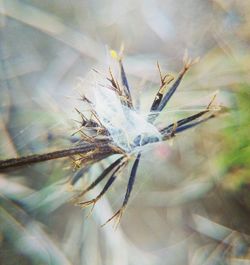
[{"x": 114, "y": 126}]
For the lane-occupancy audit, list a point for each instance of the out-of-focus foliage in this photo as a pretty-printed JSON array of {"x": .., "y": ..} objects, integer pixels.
[
  {"x": 237, "y": 137},
  {"x": 235, "y": 160}
]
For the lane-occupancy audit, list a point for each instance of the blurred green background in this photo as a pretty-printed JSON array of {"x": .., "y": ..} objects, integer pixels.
[{"x": 191, "y": 202}]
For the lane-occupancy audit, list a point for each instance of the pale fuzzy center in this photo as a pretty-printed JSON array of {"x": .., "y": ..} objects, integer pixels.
[{"x": 124, "y": 124}]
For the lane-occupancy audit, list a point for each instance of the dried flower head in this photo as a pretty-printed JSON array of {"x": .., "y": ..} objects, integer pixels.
[
  {"x": 115, "y": 126},
  {"x": 115, "y": 120}
]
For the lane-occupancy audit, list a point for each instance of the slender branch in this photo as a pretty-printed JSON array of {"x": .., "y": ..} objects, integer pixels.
[
  {"x": 183, "y": 121},
  {"x": 103, "y": 149}
]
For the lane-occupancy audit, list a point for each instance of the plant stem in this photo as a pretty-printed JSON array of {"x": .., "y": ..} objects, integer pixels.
[{"x": 103, "y": 150}]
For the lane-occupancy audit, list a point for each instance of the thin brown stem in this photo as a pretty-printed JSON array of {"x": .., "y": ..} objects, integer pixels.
[{"x": 103, "y": 149}]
